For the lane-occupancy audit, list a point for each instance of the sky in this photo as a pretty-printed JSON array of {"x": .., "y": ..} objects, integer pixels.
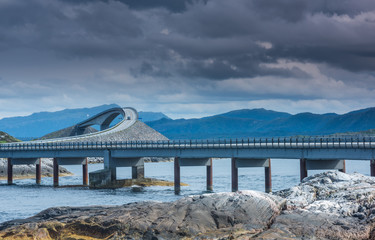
[{"x": 187, "y": 58}]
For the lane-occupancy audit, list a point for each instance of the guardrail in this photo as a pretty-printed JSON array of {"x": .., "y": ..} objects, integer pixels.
[{"x": 290, "y": 142}]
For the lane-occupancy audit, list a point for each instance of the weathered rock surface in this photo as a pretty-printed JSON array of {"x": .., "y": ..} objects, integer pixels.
[
  {"x": 330, "y": 205},
  {"x": 222, "y": 215},
  {"x": 28, "y": 171}
]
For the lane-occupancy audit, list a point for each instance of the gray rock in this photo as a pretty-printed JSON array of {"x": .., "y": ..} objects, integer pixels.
[
  {"x": 219, "y": 215},
  {"x": 330, "y": 205}
]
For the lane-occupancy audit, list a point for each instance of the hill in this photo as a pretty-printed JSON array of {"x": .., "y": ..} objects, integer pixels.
[
  {"x": 39, "y": 124},
  {"x": 264, "y": 123},
  {"x": 6, "y": 138},
  {"x": 151, "y": 116}
]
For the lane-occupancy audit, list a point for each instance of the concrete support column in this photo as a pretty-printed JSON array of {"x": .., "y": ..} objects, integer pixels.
[
  {"x": 138, "y": 172},
  {"x": 303, "y": 169},
  {"x": 85, "y": 173},
  {"x": 177, "y": 187},
  {"x": 38, "y": 171},
  {"x": 372, "y": 167},
  {"x": 268, "y": 179},
  {"x": 110, "y": 164},
  {"x": 10, "y": 171},
  {"x": 234, "y": 176},
  {"x": 55, "y": 173},
  {"x": 343, "y": 169},
  {"x": 209, "y": 176}
]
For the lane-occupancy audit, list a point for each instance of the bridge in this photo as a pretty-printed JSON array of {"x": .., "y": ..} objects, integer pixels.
[{"x": 314, "y": 153}]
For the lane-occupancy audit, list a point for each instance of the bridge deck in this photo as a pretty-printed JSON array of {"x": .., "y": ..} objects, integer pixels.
[{"x": 312, "y": 148}]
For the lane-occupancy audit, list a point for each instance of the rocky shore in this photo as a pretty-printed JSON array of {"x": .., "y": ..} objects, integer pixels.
[
  {"x": 28, "y": 171},
  {"x": 93, "y": 160},
  {"x": 331, "y": 205}
]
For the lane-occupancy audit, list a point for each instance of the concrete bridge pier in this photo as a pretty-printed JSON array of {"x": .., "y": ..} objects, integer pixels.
[
  {"x": 106, "y": 178},
  {"x": 320, "y": 164},
  {"x": 10, "y": 171},
  {"x": 137, "y": 166},
  {"x": 70, "y": 161},
  {"x": 138, "y": 171},
  {"x": 110, "y": 165},
  {"x": 38, "y": 171},
  {"x": 209, "y": 176},
  {"x": 55, "y": 172},
  {"x": 21, "y": 161},
  {"x": 249, "y": 162},
  {"x": 177, "y": 176},
  {"x": 372, "y": 167},
  {"x": 112, "y": 161},
  {"x": 85, "y": 172},
  {"x": 181, "y": 162}
]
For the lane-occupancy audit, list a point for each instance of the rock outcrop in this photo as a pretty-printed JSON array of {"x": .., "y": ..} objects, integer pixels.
[
  {"x": 28, "y": 171},
  {"x": 222, "y": 215},
  {"x": 331, "y": 205}
]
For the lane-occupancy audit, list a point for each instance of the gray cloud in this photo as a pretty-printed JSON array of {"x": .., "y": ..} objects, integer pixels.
[
  {"x": 240, "y": 50},
  {"x": 339, "y": 33}
]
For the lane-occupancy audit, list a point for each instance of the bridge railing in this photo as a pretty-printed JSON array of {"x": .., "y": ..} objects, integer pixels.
[{"x": 287, "y": 142}]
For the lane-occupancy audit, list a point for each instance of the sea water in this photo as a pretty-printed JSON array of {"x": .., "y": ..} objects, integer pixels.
[{"x": 25, "y": 198}]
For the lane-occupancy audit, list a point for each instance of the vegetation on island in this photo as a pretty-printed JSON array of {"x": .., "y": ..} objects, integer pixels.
[{"x": 6, "y": 138}]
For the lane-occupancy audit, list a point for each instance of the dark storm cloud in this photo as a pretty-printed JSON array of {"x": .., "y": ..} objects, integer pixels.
[
  {"x": 171, "y": 5},
  {"x": 216, "y": 39}
]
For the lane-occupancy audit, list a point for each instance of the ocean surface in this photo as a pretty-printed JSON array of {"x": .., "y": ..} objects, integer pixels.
[{"x": 25, "y": 199}]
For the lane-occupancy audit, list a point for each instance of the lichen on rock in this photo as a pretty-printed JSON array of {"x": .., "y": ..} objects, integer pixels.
[{"x": 329, "y": 205}]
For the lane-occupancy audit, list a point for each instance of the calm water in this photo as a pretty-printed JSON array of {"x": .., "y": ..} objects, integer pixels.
[{"x": 25, "y": 199}]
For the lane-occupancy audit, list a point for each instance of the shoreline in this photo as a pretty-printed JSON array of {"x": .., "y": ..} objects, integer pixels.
[
  {"x": 330, "y": 205},
  {"x": 33, "y": 176}
]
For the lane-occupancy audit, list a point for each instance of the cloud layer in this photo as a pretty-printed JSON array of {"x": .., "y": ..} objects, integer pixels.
[{"x": 193, "y": 57}]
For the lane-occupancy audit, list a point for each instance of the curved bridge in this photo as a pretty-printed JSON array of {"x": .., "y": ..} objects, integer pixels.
[{"x": 103, "y": 119}]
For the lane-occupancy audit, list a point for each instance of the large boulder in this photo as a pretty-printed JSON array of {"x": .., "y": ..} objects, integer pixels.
[{"x": 330, "y": 205}]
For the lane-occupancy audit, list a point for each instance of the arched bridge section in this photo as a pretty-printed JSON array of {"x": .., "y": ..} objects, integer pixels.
[{"x": 105, "y": 118}]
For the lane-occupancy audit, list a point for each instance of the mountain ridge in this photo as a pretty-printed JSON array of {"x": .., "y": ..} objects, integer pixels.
[
  {"x": 242, "y": 123},
  {"x": 229, "y": 125}
]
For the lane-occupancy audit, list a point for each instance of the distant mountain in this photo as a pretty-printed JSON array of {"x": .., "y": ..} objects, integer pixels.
[
  {"x": 255, "y": 114},
  {"x": 242, "y": 123},
  {"x": 264, "y": 123},
  {"x": 39, "y": 124},
  {"x": 151, "y": 116}
]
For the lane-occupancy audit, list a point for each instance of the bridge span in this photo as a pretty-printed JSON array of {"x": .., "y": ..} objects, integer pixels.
[{"x": 314, "y": 153}]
